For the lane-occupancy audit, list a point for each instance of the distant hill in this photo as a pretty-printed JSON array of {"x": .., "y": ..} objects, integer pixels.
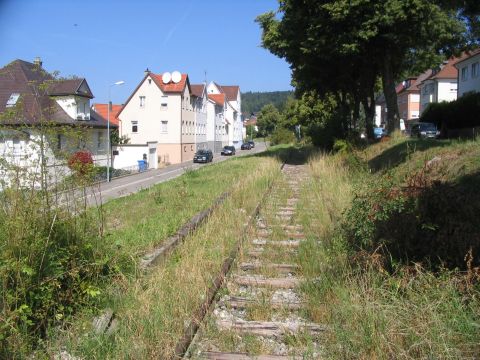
[{"x": 254, "y": 101}]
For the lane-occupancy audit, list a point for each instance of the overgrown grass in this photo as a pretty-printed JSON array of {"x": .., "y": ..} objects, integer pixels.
[
  {"x": 375, "y": 312},
  {"x": 154, "y": 310}
]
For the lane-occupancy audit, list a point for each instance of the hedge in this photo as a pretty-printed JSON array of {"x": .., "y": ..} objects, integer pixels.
[{"x": 461, "y": 113}]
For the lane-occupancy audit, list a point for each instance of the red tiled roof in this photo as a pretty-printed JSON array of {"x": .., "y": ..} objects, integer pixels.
[
  {"x": 219, "y": 99},
  {"x": 197, "y": 89},
  {"x": 171, "y": 87},
  {"x": 231, "y": 91},
  {"x": 102, "y": 109},
  {"x": 467, "y": 55},
  {"x": 447, "y": 70}
]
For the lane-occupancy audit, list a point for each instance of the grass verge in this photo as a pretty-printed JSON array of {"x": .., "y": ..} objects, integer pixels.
[
  {"x": 154, "y": 310},
  {"x": 404, "y": 310}
]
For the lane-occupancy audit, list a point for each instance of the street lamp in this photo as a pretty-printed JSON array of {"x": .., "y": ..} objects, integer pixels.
[{"x": 109, "y": 150}]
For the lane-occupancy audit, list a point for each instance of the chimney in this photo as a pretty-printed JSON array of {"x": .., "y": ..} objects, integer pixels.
[
  {"x": 147, "y": 71},
  {"x": 38, "y": 61}
]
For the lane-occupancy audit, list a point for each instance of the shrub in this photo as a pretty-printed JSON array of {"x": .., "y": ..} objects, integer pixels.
[
  {"x": 342, "y": 147},
  {"x": 458, "y": 114},
  {"x": 426, "y": 221},
  {"x": 282, "y": 136},
  {"x": 81, "y": 162}
]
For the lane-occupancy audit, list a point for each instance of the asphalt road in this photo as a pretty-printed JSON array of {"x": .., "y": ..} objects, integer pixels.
[{"x": 134, "y": 183}]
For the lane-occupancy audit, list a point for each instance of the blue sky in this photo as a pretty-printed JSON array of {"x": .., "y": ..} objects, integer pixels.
[{"x": 106, "y": 41}]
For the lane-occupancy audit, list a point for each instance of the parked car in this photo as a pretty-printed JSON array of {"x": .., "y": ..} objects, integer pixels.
[
  {"x": 203, "y": 156},
  {"x": 424, "y": 130},
  {"x": 252, "y": 143},
  {"x": 379, "y": 132},
  {"x": 246, "y": 146},
  {"x": 228, "y": 150}
]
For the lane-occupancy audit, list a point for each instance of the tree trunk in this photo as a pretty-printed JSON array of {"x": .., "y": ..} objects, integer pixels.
[
  {"x": 356, "y": 112},
  {"x": 368, "y": 103},
  {"x": 388, "y": 82}
]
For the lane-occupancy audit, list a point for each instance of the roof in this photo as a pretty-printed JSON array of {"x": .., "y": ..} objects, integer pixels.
[
  {"x": 102, "y": 110},
  {"x": 197, "y": 89},
  {"x": 218, "y": 99},
  {"x": 24, "y": 78},
  {"x": 70, "y": 87},
  {"x": 446, "y": 71},
  {"x": 171, "y": 87},
  {"x": 231, "y": 91},
  {"x": 467, "y": 55}
]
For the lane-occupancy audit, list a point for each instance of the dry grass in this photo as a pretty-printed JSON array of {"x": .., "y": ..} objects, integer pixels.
[
  {"x": 412, "y": 314},
  {"x": 154, "y": 310}
]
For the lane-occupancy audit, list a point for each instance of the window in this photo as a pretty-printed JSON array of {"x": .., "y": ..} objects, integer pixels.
[
  {"x": 475, "y": 70},
  {"x": 164, "y": 126},
  {"x": 100, "y": 141},
  {"x": 59, "y": 142},
  {"x": 134, "y": 126},
  {"x": 164, "y": 103},
  {"x": 453, "y": 87},
  {"x": 13, "y": 99},
  {"x": 142, "y": 101},
  {"x": 464, "y": 73},
  {"x": 16, "y": 146}
]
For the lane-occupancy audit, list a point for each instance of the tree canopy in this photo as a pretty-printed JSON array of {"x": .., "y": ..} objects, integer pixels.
[{"x": 343, "y": 48}]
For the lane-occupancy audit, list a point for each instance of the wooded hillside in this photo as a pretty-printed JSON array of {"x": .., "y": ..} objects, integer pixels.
[{"x": 254, "y": 101}]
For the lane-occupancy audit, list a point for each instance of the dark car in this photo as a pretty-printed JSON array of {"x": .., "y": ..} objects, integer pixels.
[
  {"x": 252, "y": 144},
  {"x": 228, "y": 150},
  {"x": 203, "y": 156},
  {"x": 246, "y": 146},
  {"x": 424, "y": 130}
]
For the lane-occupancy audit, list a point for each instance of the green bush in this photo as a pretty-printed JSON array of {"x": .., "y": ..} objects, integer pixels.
[
  {"x": 426, "y": 221},
  {"x": 282, "y": 136},
  {"x": 461, "y": 113},
  {"x": 342, "y": 147}
]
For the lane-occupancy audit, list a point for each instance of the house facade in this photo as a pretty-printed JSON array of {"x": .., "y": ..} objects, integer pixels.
[
  {"x": 161, "y": 110},
  {"x": 44, "y": 120},
  {"x": 233, "y": 112},
  {"x": 468, "y": 73},
  {"x": 440, "y": 85},
  {"x": 200, "y": 105},
  {"x": 217, "y": 136}
]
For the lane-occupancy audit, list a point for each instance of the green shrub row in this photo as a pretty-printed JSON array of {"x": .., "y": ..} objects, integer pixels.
[{"x": 461, "y": 113}]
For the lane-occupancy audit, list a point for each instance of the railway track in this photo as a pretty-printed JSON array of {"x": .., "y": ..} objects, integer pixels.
[{"x": 256, "y": 310}]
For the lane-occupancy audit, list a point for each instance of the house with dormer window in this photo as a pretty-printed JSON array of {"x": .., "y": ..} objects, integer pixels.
[
  {"x": 440, "y": 85},
  {"x": 33, "y": 101}
]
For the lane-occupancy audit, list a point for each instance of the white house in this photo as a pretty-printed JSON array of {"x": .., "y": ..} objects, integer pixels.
[
  {"x": 440, "y": 86},
  {"x": 233, "y": 111},
  {"x": 161, "y": 110},
  {"x": 469, "y": 73},
  {"x": 44, "y": 120},
  {"x": 217, "y": 136},
  {"x": 200, "y": 105}
]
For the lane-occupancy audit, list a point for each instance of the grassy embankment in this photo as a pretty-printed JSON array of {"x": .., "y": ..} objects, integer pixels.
[
  {"x": 379, "y": 303},
  {"x": 152, "y": 310}
]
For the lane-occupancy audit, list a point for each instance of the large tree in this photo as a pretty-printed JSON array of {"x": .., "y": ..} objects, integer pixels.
[{"x": 342, "y": 46}]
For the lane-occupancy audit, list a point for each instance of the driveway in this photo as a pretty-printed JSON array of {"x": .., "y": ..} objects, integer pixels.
[{"x": 133, "y": 183}]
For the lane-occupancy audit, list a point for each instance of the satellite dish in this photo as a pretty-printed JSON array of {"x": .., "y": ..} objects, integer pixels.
[
  {"x": 176, "y": 77},
  {"x": 166, "y": 77}
]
